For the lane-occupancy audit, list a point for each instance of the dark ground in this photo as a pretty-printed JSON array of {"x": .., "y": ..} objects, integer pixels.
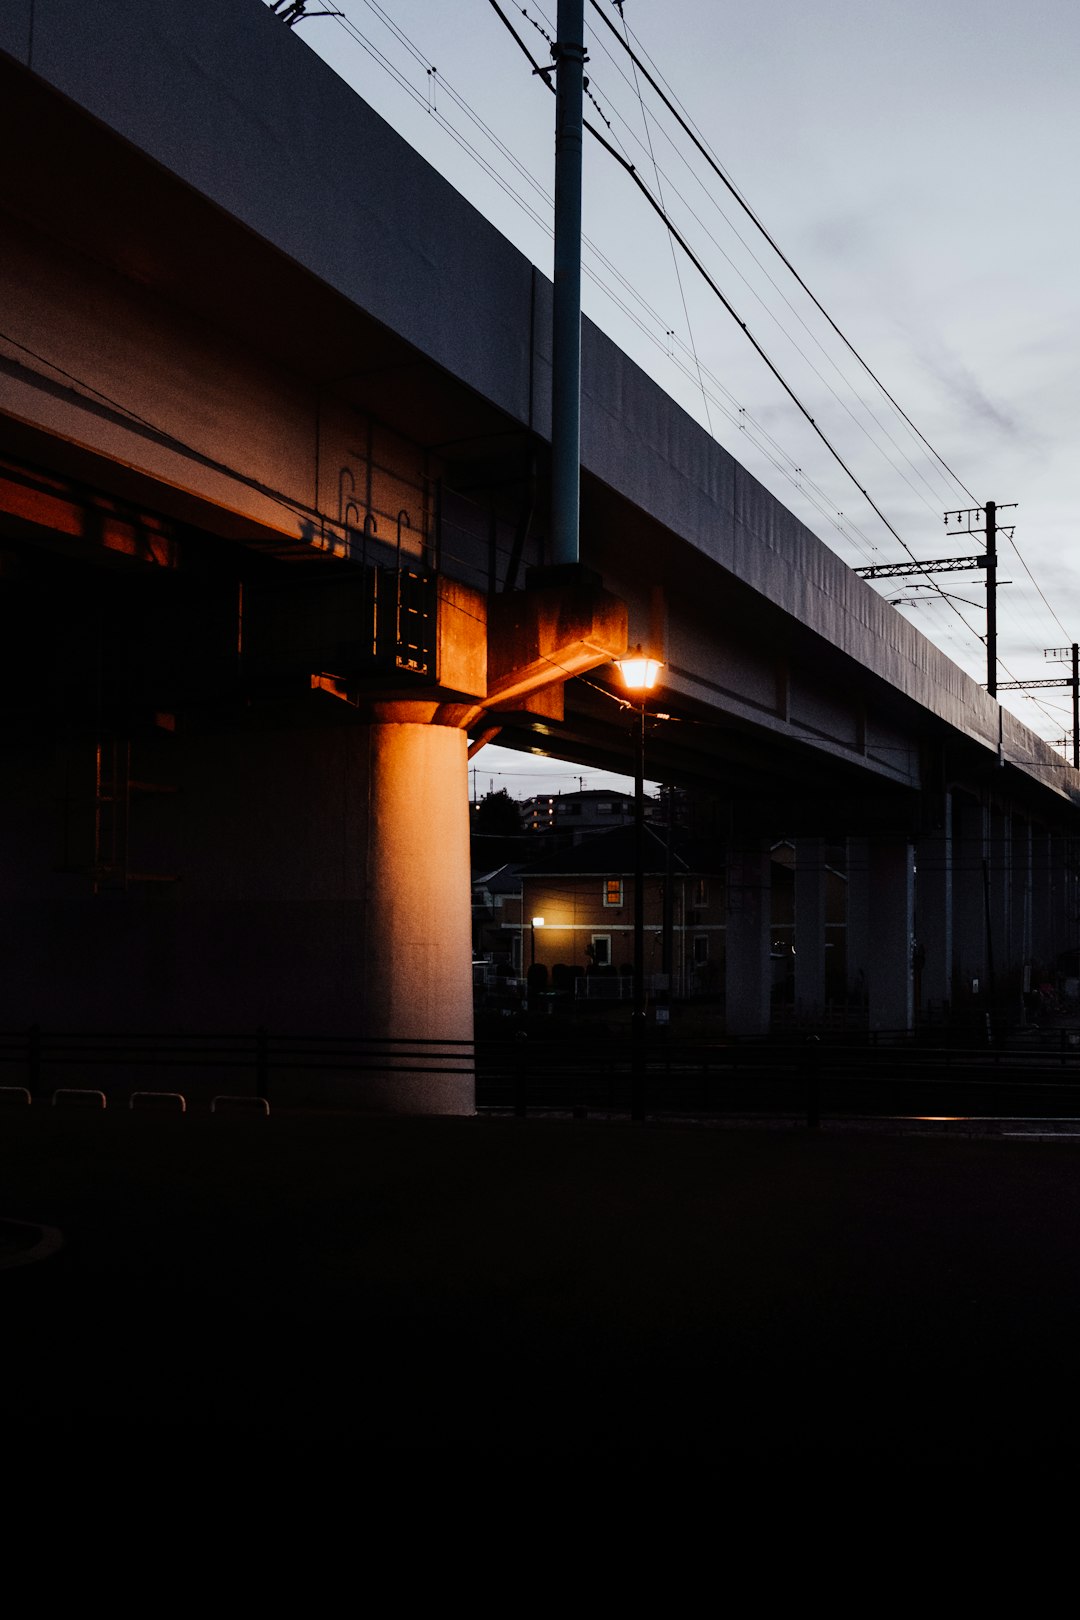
[{"x": 496, "y": 1290}]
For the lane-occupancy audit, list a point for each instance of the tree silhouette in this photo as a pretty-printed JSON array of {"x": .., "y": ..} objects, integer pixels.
[{"x": 497, "y": 813}]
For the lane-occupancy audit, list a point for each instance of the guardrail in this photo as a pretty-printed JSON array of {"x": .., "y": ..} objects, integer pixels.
[
  {"x": 607, "y": 1073},
  {"x": 38, "y": 1058}
]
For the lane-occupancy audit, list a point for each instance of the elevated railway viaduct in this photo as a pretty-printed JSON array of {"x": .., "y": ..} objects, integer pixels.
[{"x": 274, "y": 428}]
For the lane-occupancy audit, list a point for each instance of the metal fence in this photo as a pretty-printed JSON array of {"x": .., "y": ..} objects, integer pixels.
[
  {"x": 601, "y": 1072},
  {"x": 40, "y": 1060},
  {"x": 886, "y": 1074}
]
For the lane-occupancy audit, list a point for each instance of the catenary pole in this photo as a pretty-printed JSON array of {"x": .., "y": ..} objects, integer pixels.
[
  {"x": 569, "y": 52},
  {"x": 991, "y": 598}
]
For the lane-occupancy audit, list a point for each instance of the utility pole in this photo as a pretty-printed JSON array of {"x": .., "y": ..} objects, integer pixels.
[
  {"x": 947, "y": 565},
  {"x": 991, "y": 598},
  {"x": 1059, "y": 655},
  {"x": 569, "y": 54}
]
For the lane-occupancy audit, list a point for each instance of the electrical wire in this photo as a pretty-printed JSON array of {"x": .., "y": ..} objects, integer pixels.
[
  {"x": 773, "y": 244},
  {"x": 624, "y": 42},
  {"x": 1038, "y": 588},
  {"x": 940, "y": 495},
  {"x": 758, "y": 348},
  {"x": 800, "y": 481},
  {"x": 675, "y": 234},
  {"x": 674, "y": 255},
  {"x": 647, "y": 148},
  {"x": 777, "y": 457}
]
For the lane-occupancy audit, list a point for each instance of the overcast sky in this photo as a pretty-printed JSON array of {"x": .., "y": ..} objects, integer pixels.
[{"x": 915, "y": 160}]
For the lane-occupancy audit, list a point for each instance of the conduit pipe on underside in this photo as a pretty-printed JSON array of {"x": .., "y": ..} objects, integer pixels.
[{"x": 569, "y": 53}]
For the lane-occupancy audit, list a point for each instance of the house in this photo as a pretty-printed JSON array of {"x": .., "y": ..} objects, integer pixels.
[
  {"x": 577, "y": 915},
  {"x": 538, "y": 813},
  {"x": 596, "y": 810},
  {"x": 570, "y": 817},
  {"x": 496, "y": 914}
]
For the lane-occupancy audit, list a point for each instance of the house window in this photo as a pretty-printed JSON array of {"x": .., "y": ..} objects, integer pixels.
[
  {"x": 701, "y": 948},
  {"x": 601, "y": 950},
  {"x": 613, "y": 892},
  {"x": 701, "y": 891}
]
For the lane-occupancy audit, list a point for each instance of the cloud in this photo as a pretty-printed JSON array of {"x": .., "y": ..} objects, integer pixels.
[
  {"x": 845, "y": 236},
  {"x": 960, "y": 383}
]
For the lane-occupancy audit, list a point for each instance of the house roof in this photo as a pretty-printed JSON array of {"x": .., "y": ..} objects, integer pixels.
[
  {"x": 595, "y": 793},
  {"x": 504, "y": 879}
]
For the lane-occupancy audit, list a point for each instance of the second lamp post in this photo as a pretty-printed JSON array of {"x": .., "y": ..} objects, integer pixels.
[{"x": 639, "y": 674}]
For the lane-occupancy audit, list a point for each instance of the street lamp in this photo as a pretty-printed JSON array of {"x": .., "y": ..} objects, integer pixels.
[
  {"x": 639, "y": 674},
  {"x": 537, "y": 922}
]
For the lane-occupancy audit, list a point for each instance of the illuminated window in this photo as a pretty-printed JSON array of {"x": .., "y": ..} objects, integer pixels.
[{"x": 613, "y": 892}]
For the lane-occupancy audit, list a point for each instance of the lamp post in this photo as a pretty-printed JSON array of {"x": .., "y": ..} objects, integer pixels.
[
  {"x": 639, "y": 677},
  {"x": 537, "y": 922}
]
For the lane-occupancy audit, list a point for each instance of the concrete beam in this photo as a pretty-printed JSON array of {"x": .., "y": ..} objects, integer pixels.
[{"x": 544, "y": 636}]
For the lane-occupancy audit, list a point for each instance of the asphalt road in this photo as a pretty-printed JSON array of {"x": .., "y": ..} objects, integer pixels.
[{"x": 544, "y": 1290}]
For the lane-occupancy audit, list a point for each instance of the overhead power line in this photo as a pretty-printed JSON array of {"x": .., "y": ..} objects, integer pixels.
[
  {"x": 830, "y": 360},
  {"x": 781, "y": 255},
  {"x": 674, "y": 256},
  {"x": 737, "y": 414},
  {"x": 694, "y": 370},
  {"x": 658, "y": 208}
]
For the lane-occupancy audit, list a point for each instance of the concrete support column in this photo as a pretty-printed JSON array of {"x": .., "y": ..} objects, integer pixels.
[
  {"x": 969, "y": 903},
  {"x": 934, "y": 916},
  {"x": 858, "y": 921},
  {"x": 749, "y": 969},
  {"x": 1072, "y": 894},
  {"x": 1041, "y": 912},
  {"x": 891, "y": 892},
  {"x": 322, "y": 891},
  {"x": 999, "y": 894},
  {"x": 416, "y": 975},
  {"x": 1058, "y": 886},
  {"x": 810, "y": 926},
  {"x": 1064, "y": 933},
  {"x": 1020, "y": 910}
]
